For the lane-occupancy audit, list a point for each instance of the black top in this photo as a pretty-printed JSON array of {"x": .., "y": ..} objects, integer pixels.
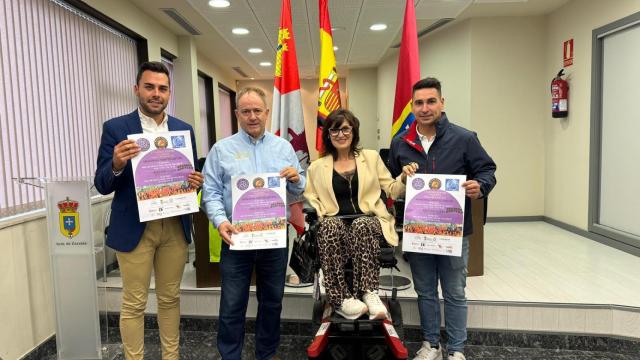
[{"x": 345, "y": 187}]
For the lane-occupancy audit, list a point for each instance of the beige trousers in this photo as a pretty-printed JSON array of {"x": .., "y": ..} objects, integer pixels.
[{"x": 163, "y": 249}]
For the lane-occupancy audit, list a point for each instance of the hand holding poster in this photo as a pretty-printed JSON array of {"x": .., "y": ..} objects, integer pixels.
[
  {"x": 259, "y": 213},
  {"x": 434, "y": 214},
  {"x": 161, "y": 172}
]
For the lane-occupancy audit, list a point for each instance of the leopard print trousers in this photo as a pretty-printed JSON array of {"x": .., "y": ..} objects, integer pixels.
[{"x": 360, "y": 241}]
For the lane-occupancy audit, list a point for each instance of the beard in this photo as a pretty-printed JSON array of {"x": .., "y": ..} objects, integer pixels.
[{"x": 152, "y": 111}]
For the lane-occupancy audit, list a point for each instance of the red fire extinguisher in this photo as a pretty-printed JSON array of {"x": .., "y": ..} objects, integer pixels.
[{"x": 559, "y": 96}]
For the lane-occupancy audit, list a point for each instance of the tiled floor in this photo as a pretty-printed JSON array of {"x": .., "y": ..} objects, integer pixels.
[
  {"x": 538, "y": 277},
  {"x": 528, "y": 262},
  {"x": 199, "y": 345}
]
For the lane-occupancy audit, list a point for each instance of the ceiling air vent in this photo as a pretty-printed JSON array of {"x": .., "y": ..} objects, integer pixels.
[
  {"x": 240, "y": 71},
  {"x": 429, "y": 29},
  {"x": 175, "y": 15}
]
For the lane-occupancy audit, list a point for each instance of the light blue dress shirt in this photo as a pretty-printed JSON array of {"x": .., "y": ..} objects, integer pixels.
[{"x": 240, "y": 154}]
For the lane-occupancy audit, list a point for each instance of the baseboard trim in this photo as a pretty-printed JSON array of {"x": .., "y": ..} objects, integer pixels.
[
  {"x": 633, "y": 250},
  {"x": 596, "y": 237},
  {"x": 46, "y": 349},
  {"x": 515, "y": 218}
]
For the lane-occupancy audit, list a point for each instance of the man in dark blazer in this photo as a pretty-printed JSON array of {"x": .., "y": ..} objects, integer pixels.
[{"x": 140, "y": 247}]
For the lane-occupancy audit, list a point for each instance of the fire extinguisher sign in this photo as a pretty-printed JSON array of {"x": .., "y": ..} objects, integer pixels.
[{"x": 567, "y": 53}]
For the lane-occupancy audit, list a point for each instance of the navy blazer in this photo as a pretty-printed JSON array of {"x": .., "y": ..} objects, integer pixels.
[{"x": 125, "y": 228}]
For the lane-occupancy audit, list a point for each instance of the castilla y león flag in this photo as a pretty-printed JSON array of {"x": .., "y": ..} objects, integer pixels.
[{"x": 287, "y": 120}]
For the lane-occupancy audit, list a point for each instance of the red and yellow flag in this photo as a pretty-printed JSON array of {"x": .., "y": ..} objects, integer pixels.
[
  {"x": 408, "y": 72},
  {"x": 329, "y": 90},
  {"x": 287, "y": 120}
]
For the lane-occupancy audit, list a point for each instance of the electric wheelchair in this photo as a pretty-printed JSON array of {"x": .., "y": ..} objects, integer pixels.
[{"x": 338, "y": 338}]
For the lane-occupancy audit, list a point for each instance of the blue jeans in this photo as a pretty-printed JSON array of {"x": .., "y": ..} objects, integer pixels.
[
  {"x": 451, "y": 271},
  {"x": 236, "y": 268}
]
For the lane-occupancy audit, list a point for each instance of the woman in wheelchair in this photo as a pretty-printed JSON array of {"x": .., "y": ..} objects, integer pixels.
[{"x": 344, "y": 186}]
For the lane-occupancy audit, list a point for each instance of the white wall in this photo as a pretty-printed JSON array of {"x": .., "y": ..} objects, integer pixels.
[
  {"x": 493, "y": 83},
  {"x": 363, "y": 99},
  {"x": 508, "y": 103},
  {"x": 444, "y": 54},
  {"x": 567, "y": 141},
  {"x": 496, "y": 74}
]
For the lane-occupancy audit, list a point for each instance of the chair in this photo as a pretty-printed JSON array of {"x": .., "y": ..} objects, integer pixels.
[
  {"x": 339, "y": 338},
  {"x": 396, "y": 208}
]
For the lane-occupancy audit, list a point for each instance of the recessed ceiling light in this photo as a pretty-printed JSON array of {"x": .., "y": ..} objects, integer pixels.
[
  {"x": 255, "y": 50},
  {"x": 265, "y": 63},
  {"x": 219, "y": 3},
  {"x": 252, "y": 78},
  {"x": 240, "y": 31},
  {"x": 335, "y": 28},
  {"x": 335, "y": 48},
  {"x": 378, "y": 27}
]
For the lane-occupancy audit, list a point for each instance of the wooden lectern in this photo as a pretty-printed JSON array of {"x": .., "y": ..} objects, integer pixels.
[
  {"x": 476, "y": 243},
  {"x": 207, "y": 273}
]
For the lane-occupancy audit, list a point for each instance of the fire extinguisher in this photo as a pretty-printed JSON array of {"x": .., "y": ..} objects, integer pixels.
[{"x": 559, "y": 96}]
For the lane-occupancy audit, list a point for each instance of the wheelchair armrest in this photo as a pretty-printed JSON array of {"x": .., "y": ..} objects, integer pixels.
[
  {"x": 309, "y": 210},
  {"x": 310, "y": 215}
]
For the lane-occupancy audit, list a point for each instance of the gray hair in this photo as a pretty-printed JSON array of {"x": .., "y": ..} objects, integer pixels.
[{"x": 250, "y": 89}]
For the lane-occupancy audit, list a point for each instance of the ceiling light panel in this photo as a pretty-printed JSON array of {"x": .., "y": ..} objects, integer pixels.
[
  {"x": 240, "y": 31},
  {"x": 366, "y": 44},
  {"x": 219, "y": 3}
]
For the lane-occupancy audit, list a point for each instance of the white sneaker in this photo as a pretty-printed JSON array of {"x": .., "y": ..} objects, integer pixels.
[
  {"x": 377, "y": 310},
  {"x": 426, "y": 352},
  {"x": 457, "y": 356},
  {"x": 352, "y": 308}
]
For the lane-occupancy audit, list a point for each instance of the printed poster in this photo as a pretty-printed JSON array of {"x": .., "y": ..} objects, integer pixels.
[
  {"x": 259, "y": 211},
  {"x": 434, "y": 214},
  {"x": 161, "y": 171}
]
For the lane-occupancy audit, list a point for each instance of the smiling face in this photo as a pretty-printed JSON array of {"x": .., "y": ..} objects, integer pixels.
[
  {"x": 153, "y": 93},
  {"x": 341, "y": 136},
  {"x": 252, "y": 114},
  {"x": 427, "y": 107}
]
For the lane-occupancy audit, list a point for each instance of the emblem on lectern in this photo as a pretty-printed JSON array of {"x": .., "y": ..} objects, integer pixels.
[{"x": 69, "y": 219}]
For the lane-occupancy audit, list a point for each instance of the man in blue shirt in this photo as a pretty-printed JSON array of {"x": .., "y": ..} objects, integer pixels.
[{"x": 252, "y": 150}]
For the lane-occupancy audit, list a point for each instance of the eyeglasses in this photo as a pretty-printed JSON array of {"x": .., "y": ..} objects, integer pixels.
[
  {"x": 247, "y": 112},
  {"x": 346, "y": 131}
]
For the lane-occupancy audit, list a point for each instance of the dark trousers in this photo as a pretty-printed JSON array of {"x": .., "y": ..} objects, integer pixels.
[{"x": 236, "y": 268}]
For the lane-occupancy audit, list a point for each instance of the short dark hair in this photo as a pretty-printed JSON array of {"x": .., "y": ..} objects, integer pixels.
[
  {"x": 335, "y": 119},
  {"x": 427, "y": 83},
  {"x": 154, "y": 66}
]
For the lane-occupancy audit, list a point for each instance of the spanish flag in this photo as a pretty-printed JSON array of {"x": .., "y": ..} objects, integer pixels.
[
  {"x": 329, "y": 92},
  {"x": 408, "y": 72},
  {"x": 287, "y": 120}
]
